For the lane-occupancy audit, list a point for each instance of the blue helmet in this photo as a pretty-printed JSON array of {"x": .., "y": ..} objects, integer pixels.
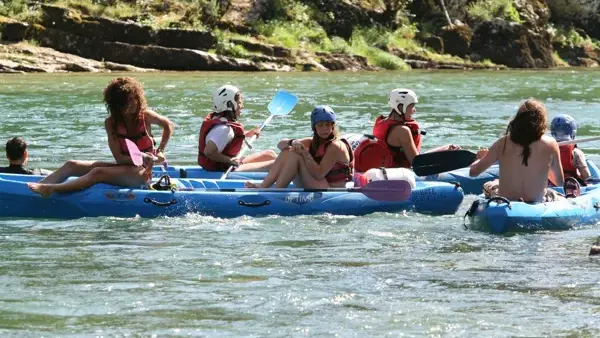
[
  {"x": 322, "y": 114},
  {"x": 563, "y": 127}
]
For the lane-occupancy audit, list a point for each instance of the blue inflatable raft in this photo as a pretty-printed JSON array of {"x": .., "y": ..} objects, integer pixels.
[
  {"x": 219, "y": 198},
  {"x": 498, "y": 215},
  {"x": 470, "y": 185}
]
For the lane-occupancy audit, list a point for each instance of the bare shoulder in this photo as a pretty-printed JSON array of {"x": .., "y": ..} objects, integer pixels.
[{"x": 549, "y": 141}]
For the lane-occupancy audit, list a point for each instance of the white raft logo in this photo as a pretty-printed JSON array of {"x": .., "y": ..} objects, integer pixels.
[{"x": 302, "y": 198}]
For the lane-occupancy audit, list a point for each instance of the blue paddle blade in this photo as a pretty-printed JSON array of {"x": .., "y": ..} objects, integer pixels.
[{"x": 282, "y": 103}]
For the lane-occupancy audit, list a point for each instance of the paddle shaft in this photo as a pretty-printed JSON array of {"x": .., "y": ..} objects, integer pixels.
[
  {"x": 564, "y": 143},
  {"x": 249, "y": 143}
]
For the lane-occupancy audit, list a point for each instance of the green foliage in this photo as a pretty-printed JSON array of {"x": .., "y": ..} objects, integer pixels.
[
  {"x": 12, "y": 8},
  {"x": 488, "y": 9},
  {"x": 381, "y": 38},
  {"x": 361, "y": 45},
  {"x": 288, "y": 10},
  {"x": 569, "y": 37},
  {"x": 293, "y": 34}
]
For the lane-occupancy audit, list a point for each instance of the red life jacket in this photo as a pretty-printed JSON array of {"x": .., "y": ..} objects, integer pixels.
[
  {"x": 380, "y": 154},
  {"x": 566, "y": 159},
  {"x": 140, "y": 136},
  {"x": 232, "y": 149},
  {"x": 340, "y": 171}
]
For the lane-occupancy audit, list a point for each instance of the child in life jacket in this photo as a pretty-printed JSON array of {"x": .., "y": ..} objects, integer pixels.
[
  {"x": 564, "y": 128},
  {"x": 222, "y": 136},
  {"x": 129, "y": 118},
  {"x": 322, "y": 161},
  {"x": 398, "y": 136}
]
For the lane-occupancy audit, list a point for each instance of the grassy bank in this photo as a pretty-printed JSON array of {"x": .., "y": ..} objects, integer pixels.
[{"x": 295, "y": 24}]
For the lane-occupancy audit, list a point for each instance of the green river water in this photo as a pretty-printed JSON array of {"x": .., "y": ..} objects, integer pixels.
[{"x": 379, "y": 275}]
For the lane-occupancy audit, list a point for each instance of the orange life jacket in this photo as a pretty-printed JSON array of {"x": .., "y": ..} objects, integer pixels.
[
  {"x": 340, "y": 171},
  {"x": 566, "y": 159},
  {"x": 370, "y": 154},
  {"x": 140, "y": 136},
  {"x": 232, "y": 149}
]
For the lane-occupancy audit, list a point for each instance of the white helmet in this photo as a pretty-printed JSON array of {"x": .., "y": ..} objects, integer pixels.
[
  {"x": 401, "y": 96},
  {"x": 224, "y": 98}
]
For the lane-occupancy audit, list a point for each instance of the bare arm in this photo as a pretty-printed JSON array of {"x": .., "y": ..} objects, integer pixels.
[
  {"x": 581, "y": 165},
  {"x": 490, "y": 158},
  {"x": 211, "y": 151},
  {"x": 556, "y": 171},
  {"x": 402, "y": 135},
  {"x": 285, "y": 142},
  {"x": 113, "y": 143},
  {"x": 335, "y": 152},
  {"x": 163, "y": 122}
]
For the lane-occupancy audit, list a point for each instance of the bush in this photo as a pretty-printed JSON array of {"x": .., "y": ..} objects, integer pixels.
[{"x": 489, "y": 9}]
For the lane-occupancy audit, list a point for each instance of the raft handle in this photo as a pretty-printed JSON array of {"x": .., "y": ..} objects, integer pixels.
[
  {"x": 456, "y": 184},
  {"x": 160, "y": 204},
  {"x": 499, "y": 199},
  {"x": 254, "y": 205}
]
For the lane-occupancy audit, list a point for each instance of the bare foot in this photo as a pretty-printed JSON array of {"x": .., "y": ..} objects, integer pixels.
[
  {"x": 39, "y": 188},
  {"x": 249, "y": 184}
]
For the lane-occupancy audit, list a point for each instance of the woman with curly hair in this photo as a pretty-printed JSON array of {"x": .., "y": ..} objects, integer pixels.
[
  {"x": 527, "y": 157},
  {"x": 129, "y": 118}
]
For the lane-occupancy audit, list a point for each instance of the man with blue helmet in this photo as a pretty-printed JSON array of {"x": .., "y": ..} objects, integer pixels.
[
  {"x": 322, "y": 161},
  {"x": 564, "y": 128}
]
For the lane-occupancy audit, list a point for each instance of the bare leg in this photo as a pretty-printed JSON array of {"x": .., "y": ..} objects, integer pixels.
[
  {"x": 261, "y": 161},
  {"x": 304, "y": 178},
  {"x": 73, "y": 168},
  {"x": 274, "y": 171},
  {"x": 123, "y": 175}
]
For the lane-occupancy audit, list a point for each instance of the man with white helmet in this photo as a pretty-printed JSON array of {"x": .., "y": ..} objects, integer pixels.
[
  {"x": 222, "y": 136},
  {"x": 398, "y": 136},
  {"x": 564, "y": 128}
]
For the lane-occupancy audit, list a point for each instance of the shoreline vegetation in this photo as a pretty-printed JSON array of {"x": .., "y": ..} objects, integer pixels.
[{"x": 296, "y": 35}]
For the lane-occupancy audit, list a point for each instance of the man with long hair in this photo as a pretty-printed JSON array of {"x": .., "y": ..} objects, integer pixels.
[{"x": 527, "y": 157}]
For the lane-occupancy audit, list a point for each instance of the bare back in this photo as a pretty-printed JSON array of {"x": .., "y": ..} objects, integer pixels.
[
  {"x": 518, "y": 180},
  {"x": 526, "y": 182}
]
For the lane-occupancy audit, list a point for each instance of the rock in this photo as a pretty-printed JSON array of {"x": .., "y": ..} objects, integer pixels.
[
  {"x": 456, "y": 39},
  {"x": 533, "y": 13},
  {"x": 512, "y": 44},
  {"x": 77, "y": 67},
  {"x": 14, "y": 31},
  {"x": 435, "y": 43},
  {"x": 336, "y": 61},
  {"x": 586, "y": 55},
  {"x": 22, "y": 57},
  {"x": 265, "y": 49},
  {"x": 595, "y": 250},
  {"x": 185, "y": 38},
  {"x": 119, "y": 31}
]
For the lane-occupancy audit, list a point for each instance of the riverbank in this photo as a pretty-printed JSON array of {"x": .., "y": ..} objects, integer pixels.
[{"x": 251, "y": 36}]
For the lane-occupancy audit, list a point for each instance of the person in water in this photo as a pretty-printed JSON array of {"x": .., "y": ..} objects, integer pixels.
[
  {"x": 527, "y": 157},
  {"x": 398, "y": 136},
  {"x": 222, "y": 136},
  {"x": 322, "y": 161},
  {"x": 564, "y": 128},
  {"x": 129, "y": 118},
  {"x": 17, "y": 155}
]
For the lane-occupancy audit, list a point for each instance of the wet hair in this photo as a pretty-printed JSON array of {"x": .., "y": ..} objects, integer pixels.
[
  {"x": 123, "y": 94},
  {"x": 316, "y": 141},
  {"x": 528, "y": 126},
  {"x": 15, "y": 148}
]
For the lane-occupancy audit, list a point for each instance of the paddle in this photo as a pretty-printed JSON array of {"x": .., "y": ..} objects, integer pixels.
[
  {"x": 393, "y": 190},
  {"x": 442, "y": 161},
  {"x": 282, "y": 104}
]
